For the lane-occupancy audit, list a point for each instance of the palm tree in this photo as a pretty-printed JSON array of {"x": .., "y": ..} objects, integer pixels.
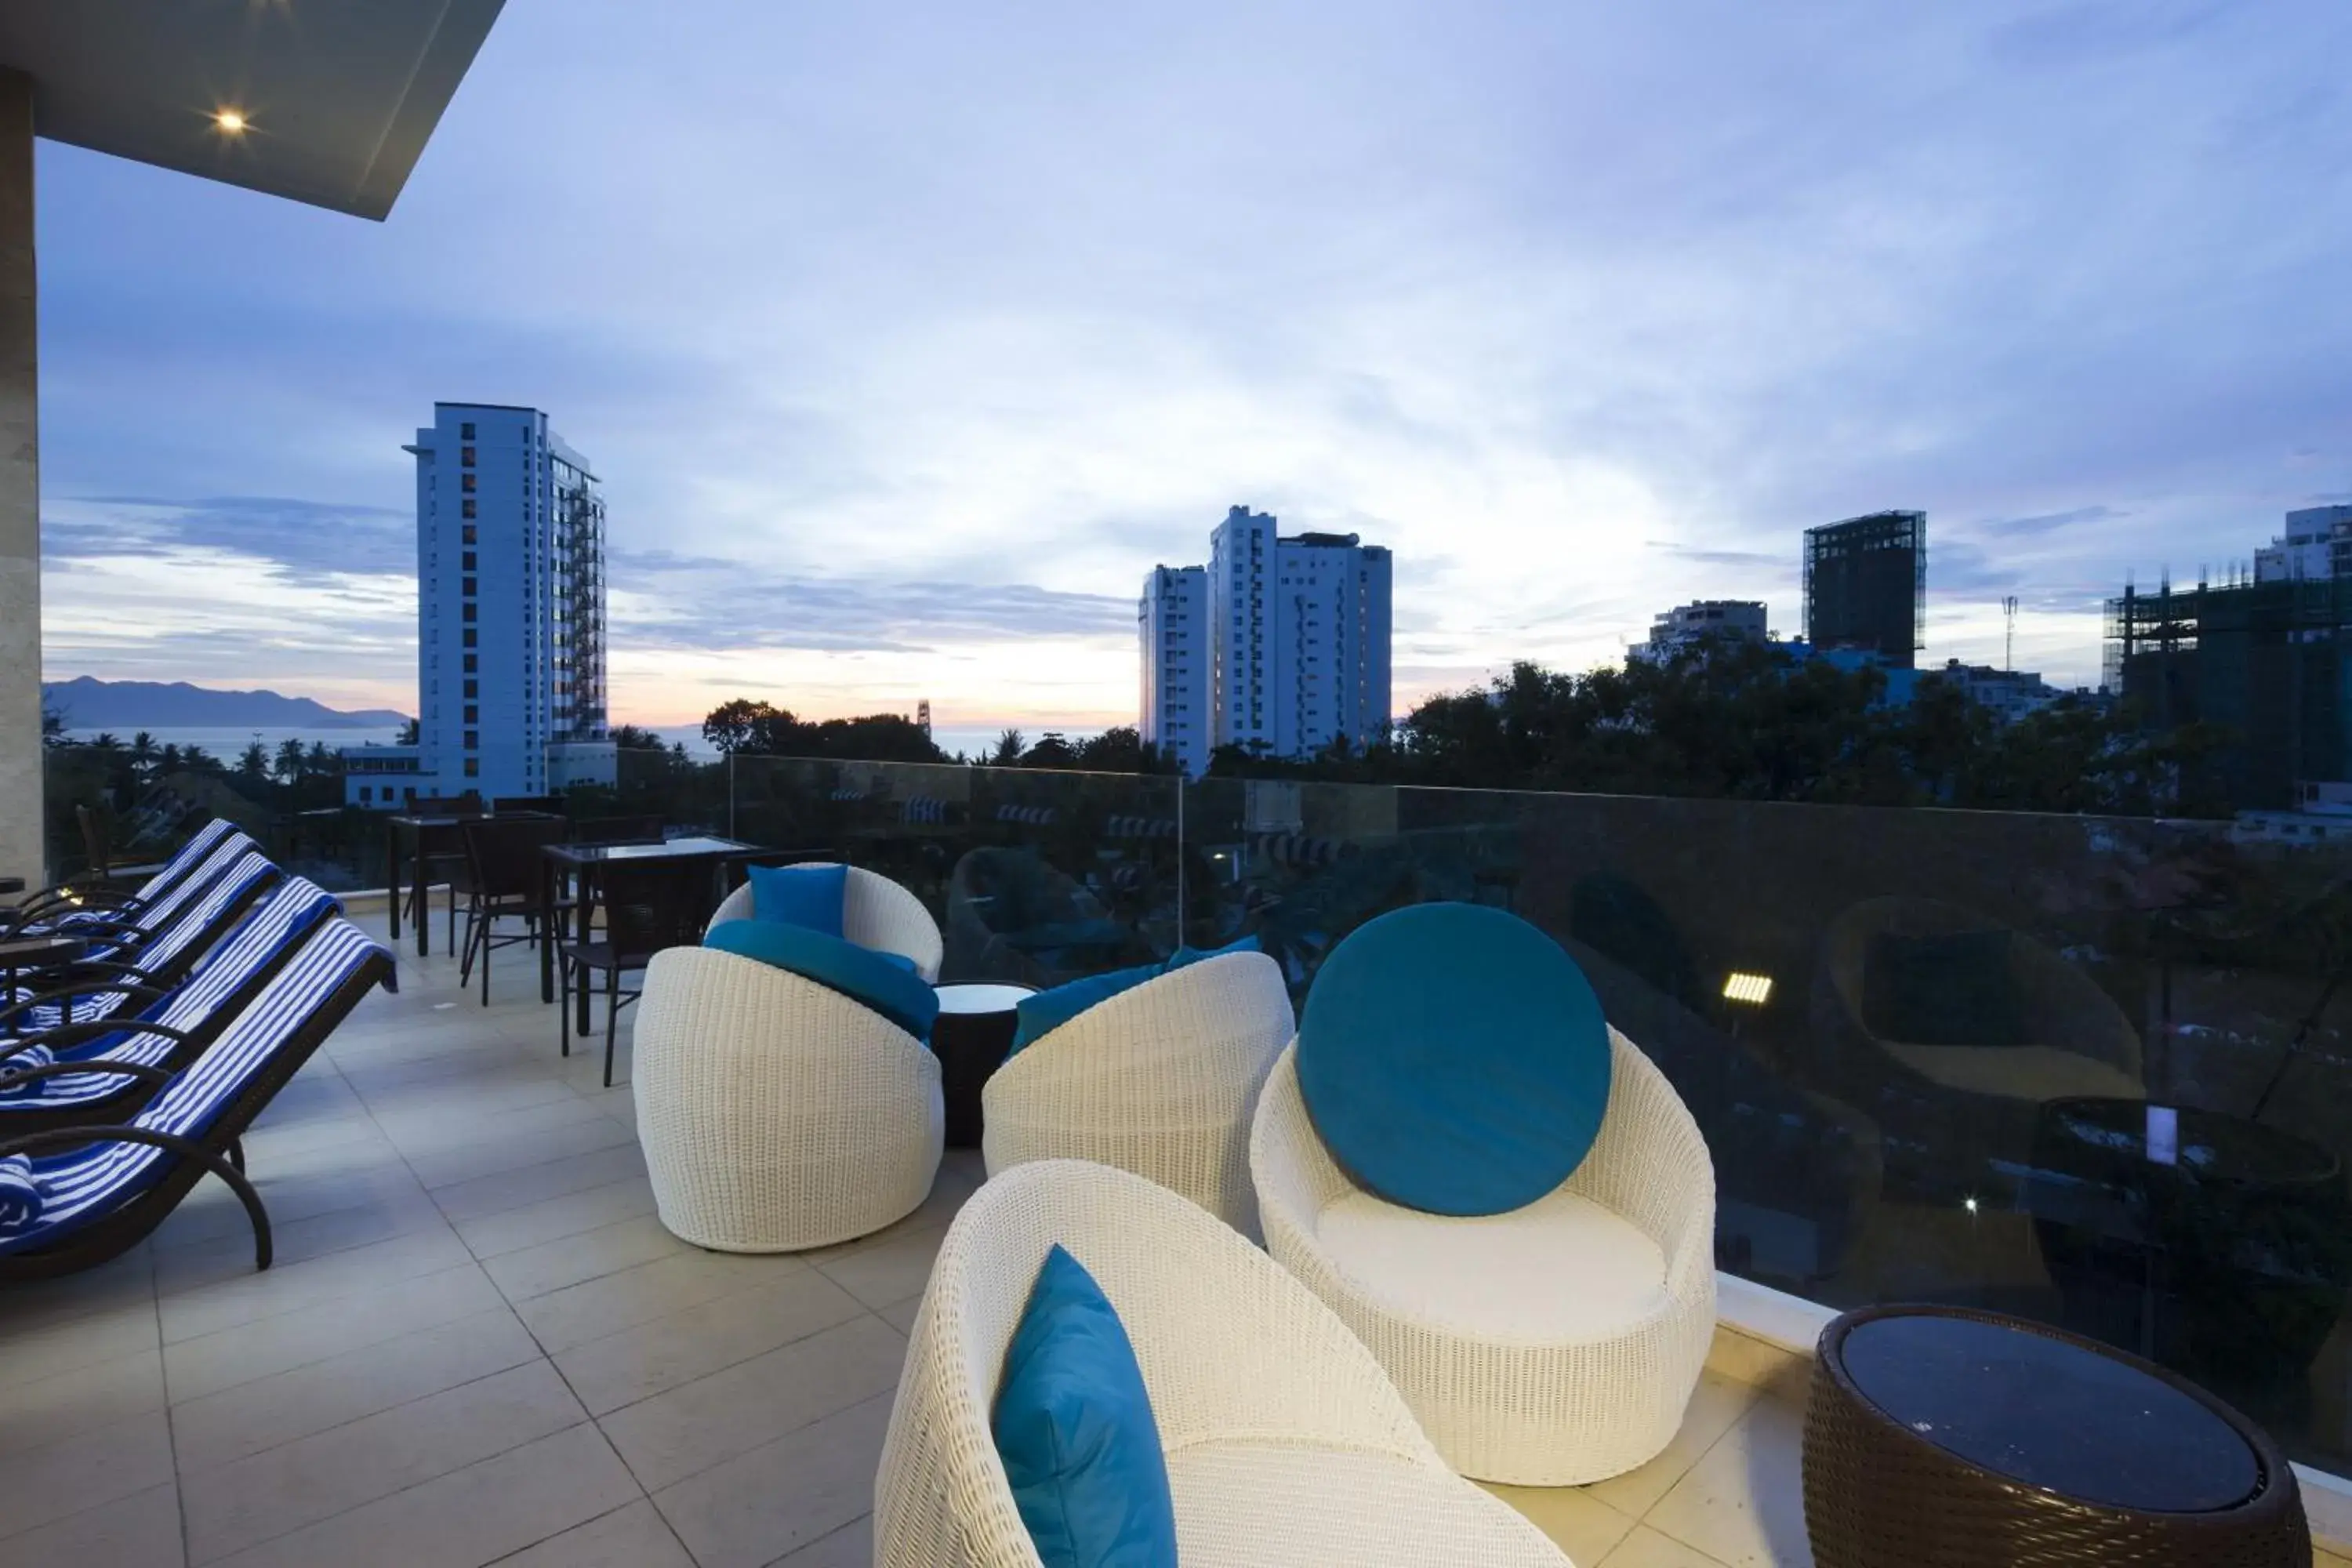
[
  {"x": 289, "y": 766},
  {"x": 253, "y": 764},
  {"x": 1009, "y": 747},
  {"x": 142, "y": 752}
]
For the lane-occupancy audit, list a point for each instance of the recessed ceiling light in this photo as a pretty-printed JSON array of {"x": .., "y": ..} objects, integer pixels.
[
  {"x": 230, "y": 121},
  {"x": 1748, "y": 989}
]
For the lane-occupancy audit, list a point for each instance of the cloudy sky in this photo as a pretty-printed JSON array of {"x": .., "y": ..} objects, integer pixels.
[{"x": 908, "y": 339}]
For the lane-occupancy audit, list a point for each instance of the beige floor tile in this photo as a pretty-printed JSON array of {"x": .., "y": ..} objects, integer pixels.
[
  {"x": 2329, "y": 1560},
  {"x": 31, "y": 1354},
  {"x": 426, "y": 1133},
  {"x": 622, "y": 1300},
  {"x": 851, "y": 1546},
  {"x": 119, "y": 1459},
  {"x": 1581, "y": 1524},
  {"x": 125, "y": 1284},
  {"x": 884, "y": 1272},
  {"x": 266, "y": 1145},
  {"x": 475, "y": 1515},
  {"x": 212, "y": 1212},
  {"x": 1716, "y": 1404},
  {"x": 632, "y": 1537},
  {"x": 504, "y": 1190},
  {"x": 900, "y": 1315},
  {"x": 1646, "y": 1548},
  {"x": 783, "y": 1496},
  {"x": 193, "y": 1368},
  {"x": 223, "y": 1427},
  {"x": 397, "y": 1212},
  {"x": 1743, "y": 1503},
  {"x": 300, "y": 1483},
  {"x": 637, "y": 1363},
  {"x": 589, "y": 1254},
  {"x": 141, "y": 1530},
  {"x": 45, "y": 1410},
  {"x": 473, "y": 1161},
  {"x": 568, "y": 1214},
  {"x": 1746, "y": 1359},
  {"x": 363, "y": 1270},
  {"x": 690, "y": 1428}
]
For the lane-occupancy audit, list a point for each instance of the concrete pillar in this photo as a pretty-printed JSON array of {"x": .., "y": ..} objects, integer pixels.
[{"x": 20, "y": 495}]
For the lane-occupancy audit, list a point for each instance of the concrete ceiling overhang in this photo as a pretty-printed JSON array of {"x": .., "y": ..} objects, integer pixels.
[{"x": 338, "y": 96}]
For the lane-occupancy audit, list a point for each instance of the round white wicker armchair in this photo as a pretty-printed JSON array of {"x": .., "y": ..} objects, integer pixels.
[
  {"x": 1159, "y": 1080},
  {"x": 875, "y": 912},
  {"x": 1286, "y": 1444},
  {"x": 1553, "y": 1346},
  {"x": 777, "y": 1114}
]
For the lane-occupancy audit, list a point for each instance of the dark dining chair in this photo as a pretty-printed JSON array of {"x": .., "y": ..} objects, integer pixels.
[
  {"x": 617, "y": 830},
  {"x": 445, "y": 866},
  {"x": 648, "y": 906},
  {"x": 502, "y": 868}
]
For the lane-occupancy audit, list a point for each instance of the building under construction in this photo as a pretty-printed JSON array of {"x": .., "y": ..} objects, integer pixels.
[
  {"x": 1866, "y": 584},
  {"x": 2268, "y": 663}
]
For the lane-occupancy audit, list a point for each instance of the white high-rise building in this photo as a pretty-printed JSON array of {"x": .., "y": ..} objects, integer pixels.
[
  {"x": 1298, "y": 639},
  {"x": 1688, "y": 626},
  {"x": 509, "y": 615},
  {"x": 1173, "y": 622},
  {"x": 2317, "y": 542}
]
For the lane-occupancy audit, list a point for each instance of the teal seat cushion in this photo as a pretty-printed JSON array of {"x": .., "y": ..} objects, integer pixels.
[
  {"x": 1454, "y": 1060},
  {"x": 859, "y": 973},
  {"x": 1185, "y": 957},
  {"x": 1042, "y": 1012},
  {"x": 807, "y": 896},
  {"x": 1073, "y": 1425}
]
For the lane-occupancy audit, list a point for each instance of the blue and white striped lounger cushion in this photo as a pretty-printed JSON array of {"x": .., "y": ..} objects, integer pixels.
[
  {"x": 201, "y": 914},
  {"x": 84, "y": 1187},
  {"x": 279, "y": 922},
  {"x": 150, "y": 920},
  {"x": 181, "y": 877},
  {"x": 189, "y": 854}
]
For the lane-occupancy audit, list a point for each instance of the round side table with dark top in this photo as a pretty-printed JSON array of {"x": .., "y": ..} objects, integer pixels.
[
  {"x": 2210, "y": 1243},
  {"x": 972, "y": 1037},
  {"x": 1946, "y": 1437}
]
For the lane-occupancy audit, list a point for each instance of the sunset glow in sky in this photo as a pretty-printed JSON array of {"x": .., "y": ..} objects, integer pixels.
[{"x": 907, "y": 340}]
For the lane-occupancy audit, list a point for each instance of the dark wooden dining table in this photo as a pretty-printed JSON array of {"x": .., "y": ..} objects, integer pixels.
[
  {"x": 418, "y": 839},
  {"x": 586, "y": 862}
]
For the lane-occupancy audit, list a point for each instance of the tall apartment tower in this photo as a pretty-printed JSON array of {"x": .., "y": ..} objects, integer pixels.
[
  {"x": 509, "y": 613},
  {"x": 1293, "y": 637},
  {"x": 1866, "y": 584},
  {"x": 1172, "y": 621}
]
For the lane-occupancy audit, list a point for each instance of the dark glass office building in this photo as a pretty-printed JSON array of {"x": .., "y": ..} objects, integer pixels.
[{"x": 1866, "y": 584}]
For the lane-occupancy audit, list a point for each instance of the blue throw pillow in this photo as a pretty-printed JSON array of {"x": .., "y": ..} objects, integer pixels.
[
  {"x": 1042, "y": 1012},
  {"x": 807, "y": 896},
  {"x": 1073, "y": 1425},
  {"x": 1454, "y": 1060},
  {"x": 1185, "y": 957},
  {"x": 857, "y": 973}
]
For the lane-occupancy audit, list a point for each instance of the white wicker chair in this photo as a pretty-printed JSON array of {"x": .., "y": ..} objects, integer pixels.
[
  {"x": 1286, "y": 1444},
  {"x": 1159, "y": 1080},
  {"x": 1554, "y": 1345},
  {"x": 875, "y": 912},
  {"x": 777, "y": 1114}
]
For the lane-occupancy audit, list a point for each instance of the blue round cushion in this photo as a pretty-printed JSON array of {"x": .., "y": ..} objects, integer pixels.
[
  {"x": 1454, "y": 1060},
  {"x": 877, "y": 980}
]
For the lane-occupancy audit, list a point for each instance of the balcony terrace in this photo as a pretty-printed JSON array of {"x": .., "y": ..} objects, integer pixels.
[{"x": 478, "y": 1345}]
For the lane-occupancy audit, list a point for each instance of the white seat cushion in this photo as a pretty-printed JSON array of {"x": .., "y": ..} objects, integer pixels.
[
  {"x": 1246, "y": 1505},
  {"x": 1563, "y": 1268}
]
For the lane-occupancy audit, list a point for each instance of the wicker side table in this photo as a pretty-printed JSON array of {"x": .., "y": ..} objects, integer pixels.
[{"x": 1944, "y": 1437}]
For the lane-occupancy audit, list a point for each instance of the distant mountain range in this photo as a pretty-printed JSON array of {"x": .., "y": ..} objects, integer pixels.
[{"x": 90, "y": 704}]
